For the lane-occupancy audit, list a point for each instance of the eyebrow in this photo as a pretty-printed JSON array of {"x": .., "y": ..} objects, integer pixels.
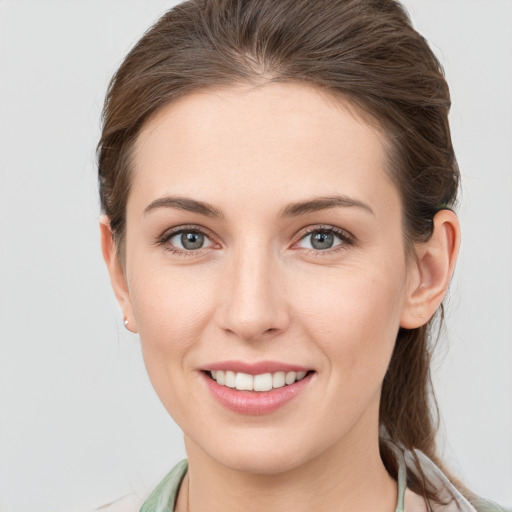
[
  {"x": 184, "y": 203},
  {"x": 323, "y": 203},
  {"x": 291, "y": 210}
]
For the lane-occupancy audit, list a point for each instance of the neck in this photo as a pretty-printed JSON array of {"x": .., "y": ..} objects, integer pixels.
[{"x": 349, "y": 476}]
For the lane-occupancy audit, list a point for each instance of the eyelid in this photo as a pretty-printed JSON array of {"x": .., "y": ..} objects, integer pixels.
[
  {"x": 176, "y": 230},
  {"x": 346, "y": 237}
]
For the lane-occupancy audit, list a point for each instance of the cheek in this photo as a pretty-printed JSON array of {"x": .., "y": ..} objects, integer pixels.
[
  {"x": 171, "y": 310},
  {"x": 354, "y": 318},
  {"x": 172, "y": 307}
]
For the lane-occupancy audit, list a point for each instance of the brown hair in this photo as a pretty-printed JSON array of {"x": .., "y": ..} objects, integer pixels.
[{"x": 364, "y": 50}]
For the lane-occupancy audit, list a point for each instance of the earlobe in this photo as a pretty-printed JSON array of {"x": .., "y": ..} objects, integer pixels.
[
  {"x": 116, "y": 272},
  {"x": 433, "y": 270}
]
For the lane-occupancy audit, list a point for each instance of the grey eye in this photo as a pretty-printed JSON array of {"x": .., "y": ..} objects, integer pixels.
[
  {"x": 192, "y": 241},
  {"x": 321, "y": 240},
  {"x": 188, "y": 240}
]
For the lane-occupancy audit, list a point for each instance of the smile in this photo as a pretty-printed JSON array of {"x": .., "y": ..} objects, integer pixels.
[
  {"x": 260, "y": 383},
  {"x": 257, "y": 388}
]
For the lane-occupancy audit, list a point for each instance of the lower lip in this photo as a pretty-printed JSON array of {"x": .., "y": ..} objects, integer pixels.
[{"x": 255, "y": 402}]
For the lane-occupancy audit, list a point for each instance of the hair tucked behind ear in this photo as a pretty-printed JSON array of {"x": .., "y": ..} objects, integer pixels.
[{"x": 365, "y": 51}]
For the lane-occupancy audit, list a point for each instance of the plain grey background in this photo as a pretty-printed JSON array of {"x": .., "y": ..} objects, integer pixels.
[{"x": 79, "y": 422}]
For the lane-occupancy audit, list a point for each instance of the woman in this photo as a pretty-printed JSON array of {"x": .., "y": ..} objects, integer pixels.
[{"x": 277, "y": 179}]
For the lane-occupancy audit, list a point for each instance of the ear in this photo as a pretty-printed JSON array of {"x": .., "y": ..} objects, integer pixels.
[
  {"x": 432, "y": 270},
  {"x": 116, "y": 272}
]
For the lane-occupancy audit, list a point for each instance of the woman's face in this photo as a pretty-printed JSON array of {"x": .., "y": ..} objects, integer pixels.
[{"x": 264, "y": 237}]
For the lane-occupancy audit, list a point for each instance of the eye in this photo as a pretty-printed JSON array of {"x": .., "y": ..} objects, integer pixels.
[
  {"x": 186, "y": 240},
  {"x": 323, "y": 239}
]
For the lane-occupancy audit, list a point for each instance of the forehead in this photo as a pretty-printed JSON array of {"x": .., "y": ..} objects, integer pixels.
[{"x": 279, "y": 139}]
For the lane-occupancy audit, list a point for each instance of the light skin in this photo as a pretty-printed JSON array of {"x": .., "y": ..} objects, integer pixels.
[{"x": 269, "y": 171}]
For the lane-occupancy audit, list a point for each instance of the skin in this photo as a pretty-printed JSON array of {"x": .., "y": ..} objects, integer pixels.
[{"x": 258, "y": 290}]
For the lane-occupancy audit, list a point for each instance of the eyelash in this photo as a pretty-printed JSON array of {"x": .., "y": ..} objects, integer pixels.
[
  {"x": 346, "y": 239},
  {"x": 165, "y": 237}
]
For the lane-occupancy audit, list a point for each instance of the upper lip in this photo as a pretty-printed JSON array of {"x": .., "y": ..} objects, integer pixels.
[{"x": 255, "y": 368}]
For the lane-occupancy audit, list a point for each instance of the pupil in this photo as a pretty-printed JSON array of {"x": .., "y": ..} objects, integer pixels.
[
  {"x": 192, "y": 240},
  {"x": 322, "y": 240}
]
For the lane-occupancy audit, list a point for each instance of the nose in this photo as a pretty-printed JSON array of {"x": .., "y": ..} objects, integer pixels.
[{"x": 254, "y": 299}]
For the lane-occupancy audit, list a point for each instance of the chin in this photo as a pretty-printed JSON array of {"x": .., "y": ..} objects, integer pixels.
[
  {"x": 262, "y": 462},
  {"x": 266, "y": 452}
]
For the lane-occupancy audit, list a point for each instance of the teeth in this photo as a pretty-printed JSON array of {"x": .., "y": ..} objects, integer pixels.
[
  {"x": 290, "y": 378},
  {"x": 278, "y": 380},
  {"x": 261, "y": 382},
  {"x": 244, "y": 382},
  {"x": 230, "y": 379}
]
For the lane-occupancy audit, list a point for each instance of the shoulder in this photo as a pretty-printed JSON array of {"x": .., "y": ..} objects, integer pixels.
[
  {"x": 130, "y": 503},
  {"x": 450, "y": 497},
  {"x": 161, "y": 499}
]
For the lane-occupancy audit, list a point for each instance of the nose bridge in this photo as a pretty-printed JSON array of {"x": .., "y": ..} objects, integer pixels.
[{"x": 254, "y": 304}]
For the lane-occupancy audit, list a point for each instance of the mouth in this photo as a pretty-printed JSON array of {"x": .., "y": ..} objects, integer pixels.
[
  {"x": 256, "y": 389},
  {"x": 260, "y": 383}
]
